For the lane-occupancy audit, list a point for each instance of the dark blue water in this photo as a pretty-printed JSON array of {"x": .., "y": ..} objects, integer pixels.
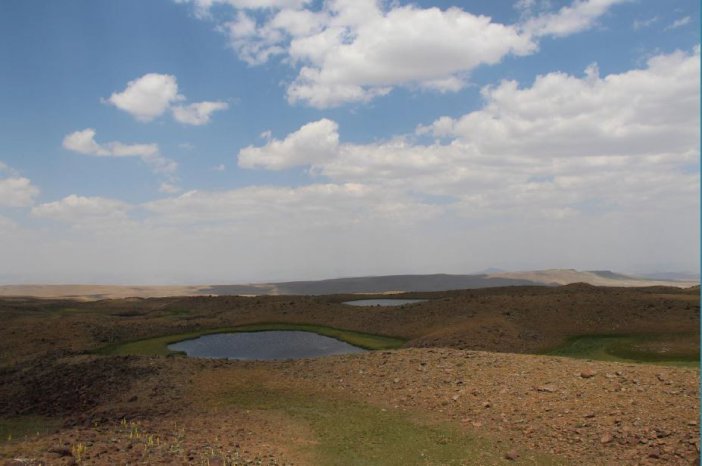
[
  {"x": 383, "y": 302},
  {"x": 269, "y": 345}
]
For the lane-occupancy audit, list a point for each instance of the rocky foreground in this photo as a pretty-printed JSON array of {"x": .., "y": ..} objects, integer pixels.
[{"x": 149, "y": 410}]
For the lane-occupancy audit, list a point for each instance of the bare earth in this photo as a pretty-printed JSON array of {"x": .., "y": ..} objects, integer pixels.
[{"x": 521, "y": 408}]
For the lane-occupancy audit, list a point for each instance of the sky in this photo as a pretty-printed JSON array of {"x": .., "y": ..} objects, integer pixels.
[{"x": 233, "y": 141}]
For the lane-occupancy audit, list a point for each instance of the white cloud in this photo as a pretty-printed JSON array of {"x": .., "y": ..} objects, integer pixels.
[
  {"x": 6, "y": 170},
  {"x": 312, "y": 143},
  {"x": 198, "y": 113},
  {"x": 84, "y": 142},
  {"x": 79, "y": 209},
  {"x": 679, "y": 23},
  {"x": 564, "y": 146},
  {"x": 357, "y": 61},
  {"x": 203, "y": 7},
  {"x": 644, "y": 23},
  {"x": 583, "y": 171},
  {"x": 283, "y": 209},
  {"x": 147, "y": 97},
  {"x": 17, "y": 192},
  {"x": 579, "y": 16},
  {"x": 645, "y": 111},
  {"x": 169, "y": 188},
  {"x": 151, "y": 95},
  {"x": 357, "y": 50}
]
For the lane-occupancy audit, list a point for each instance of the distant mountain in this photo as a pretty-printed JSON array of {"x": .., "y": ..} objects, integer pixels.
[
  {"x": 678, "y": 276},
  {"x": 382, "y": 284},
  {"x": 444, "y": 282},
  {"x": 375, "y": 285},
  {"x": 489, "y": 270},
  {"x": 612, "y": 275},
  {"x": 594, "y": 277}
]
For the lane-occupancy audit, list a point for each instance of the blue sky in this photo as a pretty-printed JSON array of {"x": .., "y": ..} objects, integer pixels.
[{"x": 244, "y": 140}]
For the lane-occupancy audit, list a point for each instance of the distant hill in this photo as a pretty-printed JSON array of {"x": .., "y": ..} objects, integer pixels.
[
  {"x": 443, "y": 282},
  {"x": 677, "y": 276},
  {"x": 375, "y": 285},
  {"x": 593, "y": 277},
  {"x": 382, "y": 284}
]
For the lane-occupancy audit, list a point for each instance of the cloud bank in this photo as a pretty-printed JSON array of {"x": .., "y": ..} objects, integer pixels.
[
  {"x": 569, "y": 162},
  {"x": 350, "y": 51}
]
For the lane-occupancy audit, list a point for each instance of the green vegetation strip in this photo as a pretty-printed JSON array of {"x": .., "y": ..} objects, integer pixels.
[
  {"x": 159, "y": 346},
  {"x": 18, "y": 428},
  {"x": 354, "y": 434},
  {"x": 666, "y": 349}
]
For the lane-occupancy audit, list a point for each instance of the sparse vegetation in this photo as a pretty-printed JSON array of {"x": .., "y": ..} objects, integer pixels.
[
  {"x": 20, "y": 427},
  {"x": 355, "y": 434},
  {"x": 159, "y": 346},
  {"x": 429, "y": 402},
  {"x": 665, "y": 349}
]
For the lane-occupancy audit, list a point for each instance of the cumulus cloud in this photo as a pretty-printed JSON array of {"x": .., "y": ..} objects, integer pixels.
[
  {"x": 15, "y": 190},
  {"x": 357, "y": 50},
  {"x": 404, "y": 46},
  {"x": 333, "y": 205},
  {"x": 147, "y": 97},
  {"x": 584, "y": 171},
  {"x": 312, "y": 143},
  {"x": 197, "y": 114},
  {"x": 79, "y": 209},
  {"x": 151, "y": 95},
  {"x": 644, "y": 111},
  {"x": 169, "y": 188},
  {"x": 83, "y": 142},
  {"x": 563, "y": 146}
]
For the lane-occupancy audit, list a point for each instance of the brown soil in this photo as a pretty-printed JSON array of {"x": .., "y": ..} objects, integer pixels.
[{"x": 169, "y": 410}]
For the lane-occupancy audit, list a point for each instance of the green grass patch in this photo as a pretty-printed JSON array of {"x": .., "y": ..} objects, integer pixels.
[
  {"x": 177, "y": 312},
  {"x": 355, "y": 434},
  {"x": 665, "y": 349},
  {"x": 18, "y": 428},
  {"x": 66, "y": 311},
  {"x": 159, "y": 346}
]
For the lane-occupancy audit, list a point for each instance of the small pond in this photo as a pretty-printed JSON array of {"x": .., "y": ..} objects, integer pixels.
[
  {"x": 383, "y": 302},
  {"x": 267, "y": 345}
]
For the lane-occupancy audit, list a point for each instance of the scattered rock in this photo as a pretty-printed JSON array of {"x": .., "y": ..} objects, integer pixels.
[
  {"x": 512, "y": 455},
  {"x": 588, "y": 374},
  {"x": 606, "y": 438},
  {"x": 546, "y": 388},
  {"x": 60, "y": 452}
]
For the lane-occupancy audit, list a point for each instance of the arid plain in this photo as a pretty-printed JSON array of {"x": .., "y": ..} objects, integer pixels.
[{"x": 574, "y": 374}]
